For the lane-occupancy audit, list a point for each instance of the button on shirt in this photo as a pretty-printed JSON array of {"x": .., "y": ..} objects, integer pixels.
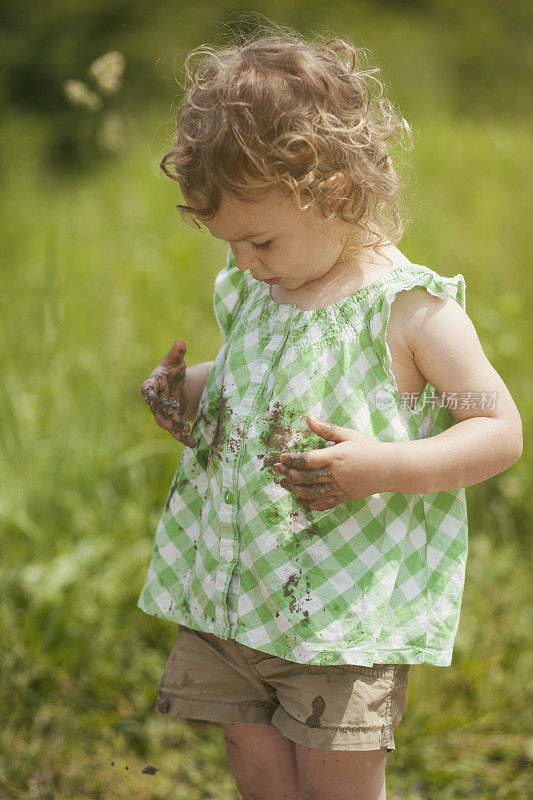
[{"x": 379, "y": 579}]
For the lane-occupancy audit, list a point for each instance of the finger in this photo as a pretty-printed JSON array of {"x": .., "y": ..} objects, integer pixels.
[
  {"x": 175, "y": 354},
  {"x": 163, "y": 422},
  {"x": 310, "y": 459},
  {"x": 180, "y": 425},
  {"x": 155, "y": 391},
  {"x": 151, "y": 389},
  {"x": 182, "y": 436},
  {"x": 323, "y": 504},
  {"x": 310, "y": 476},
  {"x": 179, "y": 348},
  {"x": 179, "y": 430},
  {"x": 168, "y": 407},
  {"x": 159, "y": 378},
  {"x": 170, "y": 425},
  {"x": 167, "y": 425},
  {"x": 186, "y": 439},
  {"x": 315, "y": 492},
  {"x": 328, "y": 430}
]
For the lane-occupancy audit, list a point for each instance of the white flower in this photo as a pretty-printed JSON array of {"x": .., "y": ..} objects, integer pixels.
[
  {"x": 79, "y": 94},
  {"x": 107, "y": 71},
  {"x": 110, "y": 134}
]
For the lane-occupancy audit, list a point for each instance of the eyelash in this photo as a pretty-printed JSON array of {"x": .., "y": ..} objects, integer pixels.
[{"x": 263, "y": 245}]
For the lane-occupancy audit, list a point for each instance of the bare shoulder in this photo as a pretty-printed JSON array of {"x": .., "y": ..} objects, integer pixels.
[
  {"x": 448, "y": 353},
  {"x": 407, "y": 314},
  {"x": 432, "y": 327},
  {"x": 417, "y": 314}
]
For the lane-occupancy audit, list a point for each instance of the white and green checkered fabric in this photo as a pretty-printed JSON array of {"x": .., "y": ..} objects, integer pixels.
[{"x": 373, "y": 580}]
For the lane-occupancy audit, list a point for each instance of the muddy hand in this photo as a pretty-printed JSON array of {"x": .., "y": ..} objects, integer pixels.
[
  {"x": 164, "y": 392},
  {"x": 356, "y": 466}
]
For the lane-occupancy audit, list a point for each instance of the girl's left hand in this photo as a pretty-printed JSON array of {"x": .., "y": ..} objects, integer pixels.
[{"x": 356, "y": 467}]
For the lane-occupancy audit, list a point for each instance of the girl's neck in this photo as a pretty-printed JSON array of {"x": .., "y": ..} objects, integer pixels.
[{"x": 345, "y": 278}]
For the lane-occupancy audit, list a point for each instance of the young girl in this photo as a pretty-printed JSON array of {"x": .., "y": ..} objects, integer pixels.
[{"x": 314, "y": 540}]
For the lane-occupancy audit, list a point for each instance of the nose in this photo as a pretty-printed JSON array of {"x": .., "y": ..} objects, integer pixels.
[{"x": 244, "y": 261}]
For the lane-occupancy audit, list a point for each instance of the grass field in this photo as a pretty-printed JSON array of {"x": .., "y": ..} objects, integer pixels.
[{"x": 99, "y": 277}]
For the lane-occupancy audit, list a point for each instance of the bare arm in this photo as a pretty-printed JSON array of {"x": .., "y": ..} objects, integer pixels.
[
  {"x": 465, "y": 454},
  {"x": 486, "y": 439},
  {"x": 487, "y": 436},
  {"x": 195, "y": 381}
]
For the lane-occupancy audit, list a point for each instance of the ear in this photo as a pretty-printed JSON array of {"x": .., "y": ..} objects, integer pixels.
[{"x": 338, "y": 187}]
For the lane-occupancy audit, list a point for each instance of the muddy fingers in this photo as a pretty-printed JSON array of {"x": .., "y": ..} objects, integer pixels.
[{"x": 164, "y": 393}]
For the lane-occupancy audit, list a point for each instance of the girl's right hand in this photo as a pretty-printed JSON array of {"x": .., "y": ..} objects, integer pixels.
[{"x": 164, "y": 392}]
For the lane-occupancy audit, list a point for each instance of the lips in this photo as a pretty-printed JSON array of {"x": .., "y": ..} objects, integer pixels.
[{"x": 265, "y": 280}]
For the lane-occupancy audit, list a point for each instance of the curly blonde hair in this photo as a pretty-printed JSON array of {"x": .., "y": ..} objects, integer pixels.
[{"x": 287, "y": 113}]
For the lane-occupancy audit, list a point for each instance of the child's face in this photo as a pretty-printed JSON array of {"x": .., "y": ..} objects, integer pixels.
[{"x": 301, "y": 246}]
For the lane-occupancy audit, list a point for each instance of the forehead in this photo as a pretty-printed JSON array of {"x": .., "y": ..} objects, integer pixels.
[{"x": 238, "y": 219}]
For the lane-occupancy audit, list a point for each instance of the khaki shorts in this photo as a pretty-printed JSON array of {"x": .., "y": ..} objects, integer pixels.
[{"x": 341, "y": 707}]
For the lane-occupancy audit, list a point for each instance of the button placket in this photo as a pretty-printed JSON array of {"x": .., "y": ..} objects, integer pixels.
[{"x": 244, "y": 413}]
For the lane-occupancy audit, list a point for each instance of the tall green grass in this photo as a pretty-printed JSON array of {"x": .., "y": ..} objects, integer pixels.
[{"x": 99, "y": 277}]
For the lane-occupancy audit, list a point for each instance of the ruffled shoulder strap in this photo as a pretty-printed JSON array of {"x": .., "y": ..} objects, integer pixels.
[
  {"x": 229, "y": 292},
  {"x": 380, "y": 308}
]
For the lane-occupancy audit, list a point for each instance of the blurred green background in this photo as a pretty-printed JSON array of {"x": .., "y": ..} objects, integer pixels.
[{"x": 100, "y": 275}]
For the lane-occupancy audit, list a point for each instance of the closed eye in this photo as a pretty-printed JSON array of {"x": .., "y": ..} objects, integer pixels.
[{"x": 262, "y": 246}]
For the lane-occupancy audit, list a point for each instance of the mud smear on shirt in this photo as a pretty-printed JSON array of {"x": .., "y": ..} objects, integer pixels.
[
  {"x": 185, "y": 603},
  {"x": 177, "y": 486},
  {"x": 294, "y": 544},
  {"x": 201, "y": 415},
  {"x": 289, "y": 589},
  {"x": 309, "y": 530},
  {"x": 217, "y": 445},
  {"x": 202, "y": 425},
  {"x": 287, "y": 432},
  {"x": 235, "y": 439},
  {"x": 200, "y": 422},
  {"x": 279, "y": 435}
]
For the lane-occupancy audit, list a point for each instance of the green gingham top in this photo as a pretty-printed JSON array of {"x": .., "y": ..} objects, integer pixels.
[{"x": 378, "y": 579}]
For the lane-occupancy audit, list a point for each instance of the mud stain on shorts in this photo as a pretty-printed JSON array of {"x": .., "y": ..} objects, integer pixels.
[
  {"x": 186, "y": 679},
  {"x": 318, "y": 705}
]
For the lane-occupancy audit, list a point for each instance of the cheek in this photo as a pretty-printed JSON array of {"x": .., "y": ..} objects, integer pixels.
[
  {"x": 327, "y": 247},
  {"x": 288, "y": 255},
  {"x": 318, "y": 245}
]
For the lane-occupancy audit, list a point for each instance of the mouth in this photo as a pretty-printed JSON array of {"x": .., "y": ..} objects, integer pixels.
[{"x": 271, "y": 281}]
